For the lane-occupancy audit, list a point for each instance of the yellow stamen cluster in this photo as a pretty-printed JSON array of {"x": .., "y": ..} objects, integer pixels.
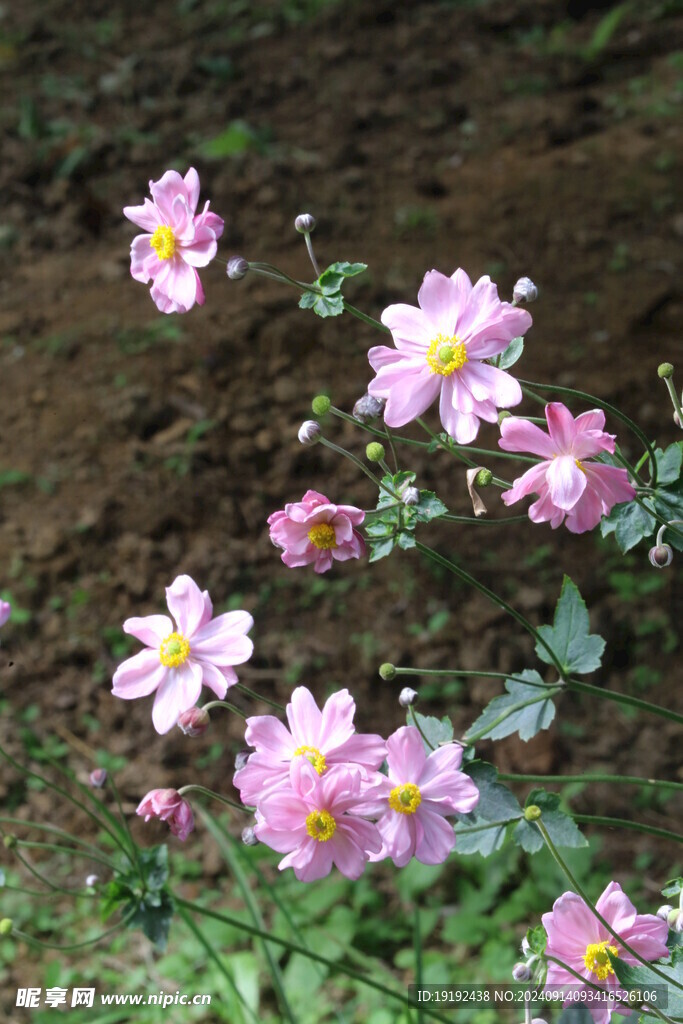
[
  {"x": 313, "y": 755},
  {"x": 323, "y": 536},
  {"x": 174, "y": 650},
  {"x": 163, "y": 242},
  {"x": 406, "y": 798},
  {"x": 445, "y": 355},
  {"x": 579, "y": 466},
  {"x": 321, "y": 825},
  {"x": 597, "y": 960}
]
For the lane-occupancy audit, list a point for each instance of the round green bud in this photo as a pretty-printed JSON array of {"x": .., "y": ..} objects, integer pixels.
[
  {"x": 503, "y": 415},
  {"x": 387, "y": 670},
  {"x": 320, "y": 405},
  {"x": 6, "y": 926},
  {"x": 532, "y": 812},
  {"x": 665, "y": 370},
  {"x": 483, "y": 478},
  {"x": 375, "y": 451},
  {"x": 10, "y": 842}
]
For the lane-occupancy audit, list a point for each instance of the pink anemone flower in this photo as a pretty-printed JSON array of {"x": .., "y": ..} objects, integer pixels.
[
  {"x": 415, "y": 799},
  {"x": 169, "y": 806},
  {"x": 441, "y": 348},
  {"x": 177, "y": 240},
  {"x": 579, "y": 940},
  {"x": 568, "y": 487},
  {"x": 315, "y": 530},
  {"x": 323, "y": 738},
  {"x": 178, "y": 659},
  {"x": 314, "y": 822}
]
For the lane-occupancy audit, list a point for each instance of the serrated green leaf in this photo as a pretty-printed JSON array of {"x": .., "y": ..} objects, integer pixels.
[
  {"x": 511, "y": 354},
  {"x": 406, "y": 541},
  {"x": 668, "y": 502},
  {"x": 154, "y": 865},
  {"x": 576, "y": 649},
  {"x": 483, "y": 830},
  {"x": 329, "y": 282},
  {"x": 673, "y": 887},
  {"x": 629, "y": 522},
  {"x": 345, "y": 269},
  {"x": 429, "y": 507},
  {"x": 645, "y": 979},
  {"x": 669, "y": 463},
  {"x": 154, "y": 921},
  {"x": 436, "y": 730},
  {"x": 560, "y": 826},
  {"x": 520, "y": 716},
  {"x": 381, "y": 548},
  {"x": 537, "y": 939},
  {"x": 307, "y": 300}
]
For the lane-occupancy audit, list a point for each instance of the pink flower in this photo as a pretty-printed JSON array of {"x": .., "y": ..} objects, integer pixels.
[
  {"x": 415, "y": 799},
  {"x": 322, "y": 738},
  {"x": 440, "y": 351},
  {"x": 567, "y": 485},
  {"x": 579, "y": 940},
  {"x": 315, "y": 530},
  {"x": 168, "y": 805},
  {"x": 178, "y": 240},
  {"x": 313, "y": 821},
  {"x": 179, "y": 659},
  {"x": 5, "y": 612}
]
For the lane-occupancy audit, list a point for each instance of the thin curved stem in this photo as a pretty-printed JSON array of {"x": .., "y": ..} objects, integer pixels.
[
  {"x": 636, "y": 826},
  {"x": 365, "y": 318},
  {"x": 76, "y": 945},
  {"x": 28, "y": 844},
  {"x": 413, "y": 718},
  {"x": 258, "y": 696},
  {"x": 449, "y": 518},
  {"x": 360, "y": 465},
  {"x": 621, "y": 780},
  {"x": 194, "y": 787},
  {"x": 456, "y": 451},
  {"x": 623, "y": 698}
]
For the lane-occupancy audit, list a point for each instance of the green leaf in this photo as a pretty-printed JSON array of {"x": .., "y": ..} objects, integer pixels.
[
  {"x": 345, "y": 269},
  {"x": 154, "y": 866},
  {"x": 154, "y": 919},
  {"x": 669, "y": 463},
  {"x": 673, "y": 888},
  {"x": 526, "y": 720},
  {"x": 629, "y": 522},
  {"x": 437, "y": 730},
  {"x": 560, "y": 826},
  {"x": 668, "y": 503},
  {"x": 537, "y": 939},
  {"x": 484, "y": 829},
  {"x": 307, "y": 300},
  {"x": 406, "y": 541},
  {"x": 575, "y": 648},
  {"x": 645, "y": 979},
  {"x": 511, "y": 354},
  {"x": 429, "y": 507},
  {"x": 381, "y": 548},
  {"x": 237, "y": 138}
]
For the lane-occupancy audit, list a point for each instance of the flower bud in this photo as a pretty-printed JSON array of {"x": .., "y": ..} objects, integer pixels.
[
  {"x": 375, "y": 451},
  {"x": 503, "y": 415},
  {"x": 407, "y": 697},
  {"x": 241, "y": 759},
  {"x": 6, "y": 926},
  {"x": 532, "y": 812},
  {"x": 368, "y": 408},
  {"x": 483, "y": 478},
  {"x": 521, "y": 972},
  {"x": 5, "y": 611},
  {"x": 677, "y": 923},
  {"x": 525, "y": 947},
  {"x": 305, "y": 223},
  {"x": 525, "y": 290},
  {"x": 661, "y": 556},
  {"x": 677, "y": 418},
  {"x": 309, "y": 432},
  {"x": 9, "y": 842},
  {"x": 320, "y": 405},
  {"x": 249, "y": 837},
  {"x": 664, "y": 911},
  {"x": 194, "y": 722},
  {"x": 92, "y": 880},
  {"x": 411, "y": 496},
  {"x": 665, "y": 370},
  {"x": 387, "y": 671},
  {"x": 98, "y": 777},
  {"x": 237, "y": 268}
]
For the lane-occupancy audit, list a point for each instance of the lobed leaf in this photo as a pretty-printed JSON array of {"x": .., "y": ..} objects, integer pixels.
[
  {"x": 520, "y": 716},
  {"x": 575, "y": 647}
]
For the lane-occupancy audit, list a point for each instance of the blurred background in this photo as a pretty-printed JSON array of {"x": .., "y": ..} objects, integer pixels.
[{"x": 525, "y": 137}]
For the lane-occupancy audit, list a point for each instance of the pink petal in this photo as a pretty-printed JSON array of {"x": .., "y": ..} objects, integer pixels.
[
  {"x": 165, "y": 190},
  {"x": 454, "y": 791},
  {"x": 222, "y": 630},
  {"x": 267, "y": 733},
  {"x": 492, "y": 333},
  {"x": 179, "y": 691},
  {"x": 348, "y": 857},
  {"x": 202, "y": 249},
  {"x": 323, "y": 561},
  {"x": 304, "y": 717},
  {"x": 405, "y": 755},
  {"x": 285, "y": 811},
  {"x": 191, "y": 183},
  {"x": 444, "y": 759},
  {"x": 592, "y": 420},
  {"x": 311, "y": 862},
  {"x": 518, "y": 435},
  {"x": 435, "y": 837},
  {"x": 398, "y": 836},
  {"x": 146, "y": 216},
  {"x": 336, "y": 725},
  {"x": 544, "y": 510},
  {"x": 150, "y": 629},
  {"x": 181, "y": 284},
  {"x": 463, "y": 288},
  {"x": 438, "y": 297},
  {"x": 363, "y": 833},
  {"x": 142, "y": 259},
  {"x": 410, "y": 396},
  {"x": 562, "y": 427},
  {"x": 463, "y": 426},
  {"x": 410, "y": 329},
  {"x": 186, "y": 604},
  {"x": 139, "y": 675},
  {"x": 586, "y": 514},
  {"x": 592, "y": 442},
  {"x": 610, "y": 482},
  {"x": 489, "y": 383},
  {"x": 566, "y": 482},
  {"x": 528, "y": 483},
  {"x": 571, "y": 927},
  {"x": 224, "y": 649},
  {"x": 214, "y": 678},
  {"x": 364, "y": 749},
  {"x": 647, "y": 934}
]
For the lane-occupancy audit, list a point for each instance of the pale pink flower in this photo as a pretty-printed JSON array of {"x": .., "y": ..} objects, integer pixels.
[
  {"x": 314, "y": 822},
  {"x": 440, "y": 351},
  {"x": 5, "y": 612},
  {"x": 566, "y": 484},
  {"x": 169, "y": 806},
  {"x": 579, "y": 940},
  {"x": 315, "y": 530},
  {"x": 177, "y": 241},
  {"x": 180, "y": 657},
  {"x": 415, "y": 799},
  {"x": 323, "y": 738}
]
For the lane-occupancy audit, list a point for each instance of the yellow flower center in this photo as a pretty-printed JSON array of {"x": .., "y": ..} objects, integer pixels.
[
  {"x": 597, "y": 960},
  {"x": 313, "y": 755},
  {"x": 321, "y": 825},
  {"x": 445, "y": 355},
  {"x": 579, "y": 465},
  {"x": 174, "y": 650},
  {"x": 322, "y": 536},
  {"x": 405, "y": 799},
  {"x": 163, "y": 242}
]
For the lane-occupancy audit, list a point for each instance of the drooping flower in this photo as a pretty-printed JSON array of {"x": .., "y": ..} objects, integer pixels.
[
  {"x": 5, "y": 612},
  {"x": 315, "y": 530},
  {"x": 169, "y": 806},
  {"x": 416, "y": 798},
  {"x": 314, "y": 822},
  {"x": 322, "y": 738},
  {"x": 177, "y": 240},
  {"x": 440, "y": 351},
  {"x": 178, "y": 659},
  {"x": 579, "y": 940},
  {"x": 570, "y": 489}
]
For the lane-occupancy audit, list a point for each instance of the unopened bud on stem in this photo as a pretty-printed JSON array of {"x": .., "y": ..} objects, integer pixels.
[
  {"x": 368, "y": 408},
  {"x": 194, "y": 721},
  {"x": 6, "y": 926},
  {"x": 387, "y": 671},
  {"x": 305, "y": 223},
  {"x": 237, "y": 268},
  {"x": 249, "y": 837},
  {"x": 665, "y": 370},
  {"x": 525, "y": 290},
  {"x": 375, "y": 451},
  {"x": 98, "y": 777},
  {"x": 521, "y": 972},
  {"x": 407, "y": 697},
  {"x": 411, "y": 496},
  {"x": 320, "y": 405},
  {"x": 664, "y": 911},
  {"x": 660, "y": 556},
  {"x": 309, "y": 432}
]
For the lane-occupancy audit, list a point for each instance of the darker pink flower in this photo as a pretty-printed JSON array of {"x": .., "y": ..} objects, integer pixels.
[
  {"x": 441, "y": 348},
  {"x": 323, "y": 738},
  {"x": 169, "y": 806},
  {"x": 418, "y": 795},
  {"x": 566, "y": 484},
  {"x": 315, "y": 530},
  {"x": 314, "y": 821},
  {"x": 179, "y": 659},
  {"x": 177, "y": 241},
  {"x": 5, "y": 612},
  {"x": 579, "y": 940}
]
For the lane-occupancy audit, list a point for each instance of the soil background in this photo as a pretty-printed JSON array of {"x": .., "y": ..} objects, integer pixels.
[{"x": 516, "y": 138}]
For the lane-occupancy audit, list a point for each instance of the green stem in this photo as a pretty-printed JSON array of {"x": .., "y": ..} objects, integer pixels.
[
  {"x": 580, "y": 892},
  {"x": 636, "y": 826},
  {"x": 374, "y": 430},
  {"x": 675, "y": 399},
  {"x": 390, "y": 439},
  {"x": 484, "y": 522},
  {"x": 623, "y": 698},
  {"x": 52, "y": 830},
  {"x": 365, "y": 318},
  {"x": 457, "y": 451},
  {"x": 470, "y": 829},
  {"x": 194, "y": 787},
  {"x": 413, "y": 718},
  {"x": 124, "y": 822},
  {"x": 622, "y": 780},
  {"x": 494, "y": 598},
  {"x": 466, "y": 672},
  {"x": 551, "y": 691},
  {"x": 76, "y": 945},
  {"x": 53, "y": 848},
  {"x": 223, "y": 704},
  {"x": 360, "y": 465},
  {"x": 257, "y": 696}
]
